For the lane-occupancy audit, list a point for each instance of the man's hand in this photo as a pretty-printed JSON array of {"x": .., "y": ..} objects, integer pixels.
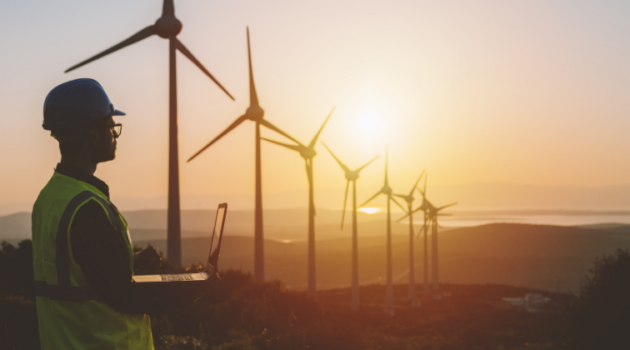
[{"x": 147, "y": 260}]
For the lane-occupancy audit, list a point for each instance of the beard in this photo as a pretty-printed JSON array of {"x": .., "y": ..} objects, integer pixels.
[{"x": 106, "y": 153}]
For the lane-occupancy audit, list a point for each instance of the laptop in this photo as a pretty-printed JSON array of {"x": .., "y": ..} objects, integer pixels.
[{"x": 213, "y": 257}]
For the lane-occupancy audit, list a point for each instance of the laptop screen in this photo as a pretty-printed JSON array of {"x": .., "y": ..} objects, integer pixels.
[{"x": 215, "y": 244}]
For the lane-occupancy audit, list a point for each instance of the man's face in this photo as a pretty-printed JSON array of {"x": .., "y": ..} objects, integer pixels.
[{"x": 106, "y": 149}]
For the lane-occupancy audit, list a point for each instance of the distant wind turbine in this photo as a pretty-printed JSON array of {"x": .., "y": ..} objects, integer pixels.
[
  {"x": 352, "y": 176},
  {"x": 412, "y": 283},
  {"x": 386, "y": 190},
  {"x": 167, "y": 27},
  {"x": 254, "y": 113},
  {"x": 308, "y": 153},
  {"x": 431, "y": 214}
]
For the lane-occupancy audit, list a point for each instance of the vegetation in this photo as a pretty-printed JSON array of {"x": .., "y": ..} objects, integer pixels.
[
  {"x": 600, "y": 317},
  {"x": 18, "y": 317},
  {"x": 242, "y": 314}
]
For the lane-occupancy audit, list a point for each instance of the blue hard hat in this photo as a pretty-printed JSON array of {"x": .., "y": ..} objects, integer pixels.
[{"x": 75, "y": 103}]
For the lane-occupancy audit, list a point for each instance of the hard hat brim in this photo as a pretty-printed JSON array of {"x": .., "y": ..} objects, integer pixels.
[{"x": 117, "y": 112}]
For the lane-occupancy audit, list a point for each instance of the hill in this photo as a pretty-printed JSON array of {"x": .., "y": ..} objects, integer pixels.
[
  {"x": 554, "y": 258},
  {"x": 279, "y": 224}
]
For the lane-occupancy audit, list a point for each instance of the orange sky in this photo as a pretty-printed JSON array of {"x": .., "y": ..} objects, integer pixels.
[{"x": 520, "y": 92}]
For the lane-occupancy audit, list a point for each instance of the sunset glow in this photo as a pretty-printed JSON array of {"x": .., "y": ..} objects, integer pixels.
[
  {"x": 470, "y": 91},
  {"x": 370, "y": 210},
  {"x": 369, "y": 124}
]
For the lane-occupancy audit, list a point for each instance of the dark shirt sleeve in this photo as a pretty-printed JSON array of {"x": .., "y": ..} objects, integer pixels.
[{"x": 102, "y": 253}]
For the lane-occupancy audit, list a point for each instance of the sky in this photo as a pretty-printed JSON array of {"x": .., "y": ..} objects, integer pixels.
[{"x": 519, "y": 92}]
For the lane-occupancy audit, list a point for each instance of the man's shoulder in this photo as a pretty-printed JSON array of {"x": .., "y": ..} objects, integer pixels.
[{"x": 60, "y": 191}]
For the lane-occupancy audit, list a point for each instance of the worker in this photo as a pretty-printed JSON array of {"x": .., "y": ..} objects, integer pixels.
[{"x": 82, "y": 251}]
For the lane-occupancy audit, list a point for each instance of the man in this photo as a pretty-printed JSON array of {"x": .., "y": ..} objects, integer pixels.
[{"x": 82, "y": 251}]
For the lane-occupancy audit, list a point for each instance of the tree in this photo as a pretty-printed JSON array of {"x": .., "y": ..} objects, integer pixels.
[{"x": 600, "y": 317}]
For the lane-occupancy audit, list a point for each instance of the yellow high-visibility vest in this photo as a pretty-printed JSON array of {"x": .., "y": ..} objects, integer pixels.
[{"x": 69, "y": 311}]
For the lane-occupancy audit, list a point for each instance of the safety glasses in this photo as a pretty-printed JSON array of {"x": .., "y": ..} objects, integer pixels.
[{"x": 116, "y": 129}]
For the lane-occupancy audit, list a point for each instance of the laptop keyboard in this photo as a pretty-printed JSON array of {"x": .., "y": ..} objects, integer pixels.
[{"x": 184, "y": 277}]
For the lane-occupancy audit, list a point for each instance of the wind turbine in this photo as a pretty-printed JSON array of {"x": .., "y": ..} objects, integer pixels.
[
  {"x": 430, "y": 224},
  {"x": 167, "y": 27},
  {"x": 412, "y": 274},
  {"x": 432, "y": 214},
  {"x": 386, "y": 190},
  {"x": 352, "y": 176},
  {"x": 254, "y": 113},
  {"x": 308, "y": 153}
]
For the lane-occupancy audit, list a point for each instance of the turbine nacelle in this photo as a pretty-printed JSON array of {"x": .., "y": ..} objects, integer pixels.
[
  {"x": 307, "y": 152},
  {"x": 387, "y": 190},
  {"x": 255, "y": 113},
  {"x": 352, "y": 175},
  {"x": 168, "y": 27},
  {"x": 426, "y": 205}
]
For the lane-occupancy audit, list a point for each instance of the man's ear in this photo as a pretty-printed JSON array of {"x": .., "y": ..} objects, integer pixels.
[{"x": 94, "y": 136}]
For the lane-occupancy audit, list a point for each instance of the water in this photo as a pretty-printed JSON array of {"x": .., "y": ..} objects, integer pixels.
[{"x": 566, "y": 218}]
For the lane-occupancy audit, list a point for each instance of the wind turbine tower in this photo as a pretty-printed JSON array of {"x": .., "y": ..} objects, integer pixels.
[
  {"x": 352, "y": 176},
  {"x": 387, "y": 191},
  {"x": 431, "y": 215},
  {"x": 308, "y": 153},
  {"x": 254, "y": 113},
  {"x": 166, "y": 27},
  {"x": 412, "y": 271}
]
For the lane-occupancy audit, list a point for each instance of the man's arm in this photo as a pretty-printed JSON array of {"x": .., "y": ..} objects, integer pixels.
[{"x": 101, "y": 252}]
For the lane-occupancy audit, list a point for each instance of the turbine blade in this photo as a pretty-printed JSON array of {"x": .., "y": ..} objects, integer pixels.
[
  {"x": 308, "y": 173},
  {"x": 400, "y": 206},
  {"x": 417, "y": 182},
  {"x": 168, "y": 8},
  {"x": 289, "y": 146},
  {"x": 314, "y": 140},
  {"x": 446, "y": 206},
  {"x": 369, "y": 200},
  {"x": 386, "y": 164},
  {"x": 143, "y": 34},
  {"x": 253, "y": 96},
  {"x": 420, "y": 232},
  {"x": 229, "y": 128},
  {"x": 343, "y": 166},
  {"x": 368, "y": 163},
  {"x": 404, "y": 217},
  {"x": 424, "y": 191},
  {"x": 189, "y": 55},
  {"x": 276, "y": 129},
  {"x": 345, "y": 200},
  {"x": 399, "y": 195}
]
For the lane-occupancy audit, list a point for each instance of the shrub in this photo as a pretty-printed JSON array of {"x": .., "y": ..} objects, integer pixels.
[{"x": 601, "y": 314}]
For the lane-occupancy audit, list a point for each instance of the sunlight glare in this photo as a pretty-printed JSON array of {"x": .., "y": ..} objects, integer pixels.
[
  {"x": 368, "y": 123},
  {"x": 369, "y": 210}
]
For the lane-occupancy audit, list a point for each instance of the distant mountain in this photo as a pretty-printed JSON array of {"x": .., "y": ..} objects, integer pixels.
[
  {"x": 279, "y": 224},
  {"x": 473, "y": 196},
  {"x": 551, "y": 258},
  {"x": 555, "y": 258},
  {"x": 15, "y": 226},
  {"x": 290, "y": 224}
]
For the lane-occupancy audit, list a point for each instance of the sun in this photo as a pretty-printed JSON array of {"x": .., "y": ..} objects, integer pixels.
[{"x": 368, "y": 123}]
